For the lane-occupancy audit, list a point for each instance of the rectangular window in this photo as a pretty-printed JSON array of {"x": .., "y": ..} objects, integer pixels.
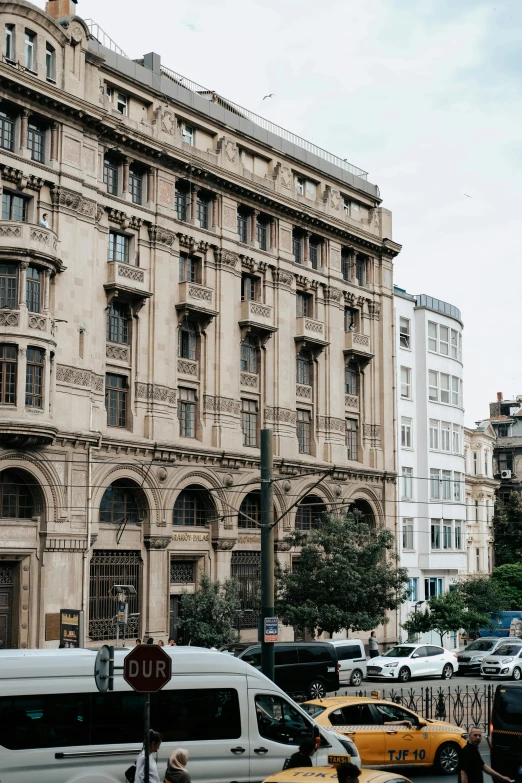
[
  {"x": 314, "y": 253},
  {"x": 407, "y": 483},
  {"x": 345, "y": 264},
  {"x": 444, "y": 340},
  {"x": 136, "y": 186},
  {"x": 14, "y": 207},
  {"x": 110, "y": 176},
  {"x": 302, "y": 305},
  {"x": 116, "y": 391},
  {"x": 460, "y": 347},
  {"x": 248, "y": 288},
  {"x": 454, "y": 390},
  {"x": 122, "y": 104},
  {"x": 180, "y": 712},
  {"x": 187, "y": 341},
  {"x": 187, "y": 269},
  {"x": 297, "y": 248},
  {"x": 242, "y": 226},
  {"x": 433, "y": 391},
  {"x": 187, "y": 413},
  {"x": 446, "y": 484},
  {"x": 249, "y": 422},
  {"x": 446, "y": 536},
  {"x": 476, "y": 511},
  {"x": 299, "y": 186},
  {"x": 8, "y": 359},
  {"x": 6, "y": 132},
  {"x": 475, "y": 463},
  {"x": 262, "y": 234},
  {"x": 36, "y": 143},
  {"x": 458, "y": 543},
  {"x": 406, "y": 383},
  {"x": 118, "y": 247},
  {"x": 351, "y": 439},
  {"x": 406, "y": 433},
  {"x": 351, "y": 319},
  {"x": 434, "y": 484},
  {"x": 33, "y": 290},
  {"x": 248, "y": 360},
  {"x": 413, "y": 589},
  {"x": 303, "y": 431},
  {"x": 360, "y": 270},
  {"x": 434, "y": 434},
  {"x": 310, "y": 190},
  {"x": 117, "y": 323},
  {"x": 50, "y": 63},
  {"x": 477, "y": 558},
  {"x": 182, "y": 203},
  {"x": 435, "y": 533},
  {"x": 454, "y": 344},
  {"x": 404, "y": 332},
  {"x": 445, "y": 436},
  {"x": 456, "y": 439},
  {"x": 29, "y": 50},
  {"x": 444, "y": 388},
  {"x": 432, "y": 337},
  {"x": 457, "y": 492},
  {"x": 34, "y": 378},
  {"x": 8, "y": 286},
  {"x": 202, "y": 211},
  {"x": 9, "y": 42},
  {"x": 407, "y": 534},
  {"x": 187, "y": 132},
  {"x": 432, "y": 586}
]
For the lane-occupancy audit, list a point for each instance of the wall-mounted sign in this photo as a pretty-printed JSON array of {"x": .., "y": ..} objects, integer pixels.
[
  {"x": 271, "y": 629},
  {"x": 71, "y": 628}
]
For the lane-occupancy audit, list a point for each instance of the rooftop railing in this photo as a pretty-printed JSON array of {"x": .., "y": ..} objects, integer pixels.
[{"x": 97, "y": 32}]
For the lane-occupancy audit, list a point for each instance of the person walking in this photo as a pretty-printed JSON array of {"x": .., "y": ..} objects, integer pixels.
[
  {"x": 150, "y": 640},
  {"x": 138, "y": 641},
  {"x": 471, "y": 763},
  {"x": 373, "y": 645},
  {"x": 348, "y": 773},
  {"x": 303, "y": 757},
  {"x": 177, "y": 767},
  {"x": 161, "y": 643},
  {"x": 154, "y": 746},
  {"x": 171, "y": 643}
]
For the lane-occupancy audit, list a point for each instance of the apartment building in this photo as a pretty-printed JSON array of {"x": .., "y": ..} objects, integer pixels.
[
  {"x": 480, "y": 497},
  {"x": 430, "y": 445},
  {"x": 176, "y": 274}
]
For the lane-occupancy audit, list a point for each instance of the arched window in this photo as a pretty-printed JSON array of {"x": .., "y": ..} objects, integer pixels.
[
  {"x": 304, "y": 367},
  {"x": 351, "y": 377},
  {"x": 364, "y": 511},
  {"x": 193, "y": 507},
  {"x": 16, "y": 495},
  {"x": 122, "y": 502},
  {"x": 249, "y": 355},
  {"x": 309, "y": 512},
  {"x": 250, "y": 511},
  {"x": 187, "y": 341}
]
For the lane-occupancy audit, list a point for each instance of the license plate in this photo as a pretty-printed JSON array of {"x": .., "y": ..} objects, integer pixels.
[
  {"x": 489, "y": 670},
  {"x": 373, "y": 671}
]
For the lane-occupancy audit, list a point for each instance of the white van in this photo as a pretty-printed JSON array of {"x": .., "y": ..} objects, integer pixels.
[
  {"x": 55, "y": 727},
  {"x": 352, "y": 660}
]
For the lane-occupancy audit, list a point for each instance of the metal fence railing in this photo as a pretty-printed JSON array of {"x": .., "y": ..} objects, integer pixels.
[{"x": 99, "y": 33}]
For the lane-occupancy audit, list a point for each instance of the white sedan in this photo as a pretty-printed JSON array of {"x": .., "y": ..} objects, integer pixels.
[{"x": 413, "y": 660}]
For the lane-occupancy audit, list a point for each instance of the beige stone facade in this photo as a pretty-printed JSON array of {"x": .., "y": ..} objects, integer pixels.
[
  {"x": 481, "y": 487},
  {"x": 200, "y": 277}
]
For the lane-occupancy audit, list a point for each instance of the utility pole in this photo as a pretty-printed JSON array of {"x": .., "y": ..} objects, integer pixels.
[{"x": 267, "y": 550}]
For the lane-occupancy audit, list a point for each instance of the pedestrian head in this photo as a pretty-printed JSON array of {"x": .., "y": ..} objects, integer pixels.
[
  {"x": 150, "y": 640},
  {"x": 138, "y": 641},
  {"x": 348, "y": 773},
  {"x": 45, "y": 215},
  {"x": 308, "y": 747},
  {"x": 474, "y": 737},
  {"x": 154, "y": 741},
  {"x": 171, "y": 643},
  {"x": 372, "y": 633},
  {"x": 179, "y": 758},
  {"x": 161, "y": 643}
]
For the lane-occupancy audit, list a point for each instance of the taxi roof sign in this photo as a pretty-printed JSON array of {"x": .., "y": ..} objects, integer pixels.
[
  {"x": 375, "y": 694},
  {"x": 337, "y": 759}
]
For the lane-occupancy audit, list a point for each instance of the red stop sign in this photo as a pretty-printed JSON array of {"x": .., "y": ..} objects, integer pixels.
[{"x": 147, "y": 668}]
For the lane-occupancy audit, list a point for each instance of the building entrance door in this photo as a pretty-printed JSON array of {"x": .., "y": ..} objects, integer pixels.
[{"x": 6, "y": 606}]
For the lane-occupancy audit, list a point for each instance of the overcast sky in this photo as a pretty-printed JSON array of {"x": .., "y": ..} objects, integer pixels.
[{"x": 425, "y": 95}]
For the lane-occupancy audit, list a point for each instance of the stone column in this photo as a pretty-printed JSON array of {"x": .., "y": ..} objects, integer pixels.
[
  {"x": 54, "y": 142},
  {"x": 354, "y": 266},
  {"x": 20, "y": 379},
  {"x": 47, "y": 282},
  {"x": 273, "y": 234},
  {"x": 24, "y": 123},
  {"x": 22, "y": 294},
  {"x": 125, "y": 179},
  {"x": 369, "y": 270},
  {"x": 194, "y": 204},
  {"x": 323, "y": 249},
  {"x": 253, "y": 227},
  {"x": 215, "y": 211},
  {"x": 306, "y": 248},
  {"x": 150, "y": 186}
]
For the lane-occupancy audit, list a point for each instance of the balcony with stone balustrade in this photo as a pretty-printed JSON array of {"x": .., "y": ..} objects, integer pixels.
[
  {"x": 30, "y": 240},
  {"x": 358, "y": 347},
  {"x": 196, "y": 302},
  {"x": 258, "y": 318},
  {"x": 310, "y": 332}
]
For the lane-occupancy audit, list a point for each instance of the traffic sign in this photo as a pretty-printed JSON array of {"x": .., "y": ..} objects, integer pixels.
[
  {"x": 102, "y": 669},
  {"x": 147, "y": 668},
  {"x": 271, "y": 629}
]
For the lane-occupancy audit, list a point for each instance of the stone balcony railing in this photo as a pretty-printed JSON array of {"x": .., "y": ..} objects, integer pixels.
[
  {"x": 351, "y": 401},
  {"x": 32, "y": 324},
  {"x": 127, "y": 276},
  {"x": 30, "y": 238},
  {"x": 309, "y": 330},
  {"x": 196, "y": 295},
  {"x": 358, "y": 345},
  {"x": 257, "y": 312}
]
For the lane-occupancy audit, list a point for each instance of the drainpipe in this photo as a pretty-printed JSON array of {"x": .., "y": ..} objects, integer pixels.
[{"x": 86, "y": 554}]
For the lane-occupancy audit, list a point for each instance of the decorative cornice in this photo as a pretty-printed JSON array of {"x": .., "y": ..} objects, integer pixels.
[
  {"x": 221, "y": 405},
  {"x": 162, "y": 236},
  {"x": 223, "y": 544},
  {"x": 122, "y": 219},
  {"x": 225, "y": 258},
  {"x": 331, "y": 424},
  {"x": 280, "y": 416},
  {"x": 75, "y": 202},
  {"x": 282, "y": 546},
  {"x": 156, "y": 542},
  {"x": 153, "y": 392},
  {"x": 77, "y": 377},
  {"x": 21, "y": 180}
]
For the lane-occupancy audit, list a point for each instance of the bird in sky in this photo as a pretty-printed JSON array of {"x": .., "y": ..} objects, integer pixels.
[
  {"x": 269, "y": 96},
  {"x": 465, "y": 194}
]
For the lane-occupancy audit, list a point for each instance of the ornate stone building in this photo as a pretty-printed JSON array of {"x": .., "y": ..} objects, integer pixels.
[
  {"x": 481, "y": 488},
  {"x": 200, "y": 274}
]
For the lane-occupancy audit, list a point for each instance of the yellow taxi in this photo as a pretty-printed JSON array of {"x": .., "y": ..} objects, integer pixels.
[
  {"x": 386, "y": 733},
  {"x": 307, "y": 774}
]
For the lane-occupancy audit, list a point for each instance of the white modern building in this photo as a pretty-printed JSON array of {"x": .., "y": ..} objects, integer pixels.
[
  {"x": 431, "y": 503},
  {"x": 480, "y": 497}
]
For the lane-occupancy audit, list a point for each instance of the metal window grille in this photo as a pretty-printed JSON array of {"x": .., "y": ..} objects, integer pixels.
[
  {"x": 187, "y": 413},
  {"x": 250, "y": 511},
  {"x": 242, "y": 226},
  {"x": 245, "y": 568},
  {"x": 261, "y": 230},
  {"x": 16, "y": 499},
  {"x": 351, "y": 439},
  {"x": 118, "y": 247},
  {"x": 136, "y": 186},
  {"x": 187, "y": 341},
  {"x": 345, "y": 264},
  {"x": 350, "y": 379},
  {"x": 8, "y": 359},
  {"x": 117, "y": 323},
  {"x": 182, "y": 203},
  {"x": 303, "y": 368},
  {"x": 8, "y": 285},
  {"x": 109, "y": 568},
  {"x": 34, "y": 378},
  {"x": 308, "y": 514},
  {"x": 249, "y": 355},
  {"x": 182, "y": 572},
  {"x": 314, "y": 253},
  {"x": 36, "y": 143},
  {"x": 14, "y": 207},
  {"x": 248, "y": 288},
  {"x": 116, "y": 400},
  {"x": 297, "y": 249},
  {"x": 110, "y": 176},
  {"x": 249, "y": 422},
  {"x": 33, "y": 290},
  {"x": 120, "y": 503},
  {"x": 202, "y": 210},
  {"x": 6, "y": 133},
  {"x": 303, "y": 431},
  {"x": 191, "y": 508},
  {"x": 187, "y": 269}
]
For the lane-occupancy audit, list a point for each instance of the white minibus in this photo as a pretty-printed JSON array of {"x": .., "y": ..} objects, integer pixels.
[{"x": 238, "y": 726}]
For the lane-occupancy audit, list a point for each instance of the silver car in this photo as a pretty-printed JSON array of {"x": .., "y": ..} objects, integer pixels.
[
  {"x": 472, "y": 656},
  {"x": 506, "y": 662}
]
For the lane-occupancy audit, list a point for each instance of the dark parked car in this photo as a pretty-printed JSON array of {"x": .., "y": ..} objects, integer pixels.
[
  {"x": 301, "y": 667},
  {"x": 506, "y": 731}
]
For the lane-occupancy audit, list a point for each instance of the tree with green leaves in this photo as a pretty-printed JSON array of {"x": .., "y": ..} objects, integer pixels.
[
  {"x": 444, "y": 614},
  {"x": 508, "y": 577},
  {"x": 483, "y": 594},
  {"x": 209, "y": 615},
  {"x": 507, "y": 523},
  {"x": 346, "y": 576}
]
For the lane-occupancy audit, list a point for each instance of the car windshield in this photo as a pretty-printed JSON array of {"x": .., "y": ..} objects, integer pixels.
[
  {"x": 482, "y": 645},
  {"x": 313, "y": 709},
  {"x": 399, "y": 652},
  {"x": 508, "y": 649}
]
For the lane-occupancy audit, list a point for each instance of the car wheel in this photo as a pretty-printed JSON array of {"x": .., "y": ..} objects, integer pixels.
[
  {"x": 447, "y": 672},
  {"x": 516, "y": 673},
  {"x": 316, "y": 690},
  {"x": 447, "y": 759},
  {"x": 404, "y": 674},
  {"x": 356, "y": 678}
]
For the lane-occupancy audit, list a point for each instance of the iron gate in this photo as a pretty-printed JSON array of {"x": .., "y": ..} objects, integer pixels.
[
  {"x": 109, "y": 568},
  {"x": 6, "y": 605},
  {"x": 245, "y": 568}
]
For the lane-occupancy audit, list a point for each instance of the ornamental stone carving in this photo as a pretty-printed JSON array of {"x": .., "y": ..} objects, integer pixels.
[
  {"x": 280, "y": 415},
  {"x": 335, "y": 199},
  {"x": 225, "y": 257},
  {"x": 282, "y": 546},
  {"x": 372, "y": 431},
  {"x": 131, "y": 273},
  {"x": 156, "y": 542},
  {"x": 168, "y": 122},
  {"x": 330, "y": 424},
  {"x": 161, "y": 236},
  {"x": 187, "y": 367},
  {"x": 286, "y": 177},
  {"x": 38, "y": 322},
  {"x": 70, "y": 199},
  {"x": 197, "y": 292},
  {"x": 221, "y": 405},
  {"x": 230, "y": 151},
  {"x": 351, "y": 401},
  {"x": 374, "y": 308},
  {"x": 249, "y": 379},
  {"x": 281, "y": 277},
  {"x": 303, "y": 391},
  {"x": 10, "y": 231},
  {"x": 313, "y": 326},
  {"x": 223, "y": 544},
  {"x": 44, "y": 236},
  {"x": 261, "y": 310},
  {"x": 73, "y": 375},
  {"x": 154, "y": 392},
  {"x": 9, "y": 319},
  {"x": 332, "y": 294},
  {"x": 118, "y": 352}
]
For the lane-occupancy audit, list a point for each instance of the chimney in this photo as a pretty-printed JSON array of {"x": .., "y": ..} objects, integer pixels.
[
  {"x": 60, "y": 8},
  {"x": 500, "y": 396}
]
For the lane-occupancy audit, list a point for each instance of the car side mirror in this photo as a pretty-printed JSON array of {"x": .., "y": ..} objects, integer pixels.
[
  {"x": 421, "y": 723},
  {"x": 414, "y": 655}
]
